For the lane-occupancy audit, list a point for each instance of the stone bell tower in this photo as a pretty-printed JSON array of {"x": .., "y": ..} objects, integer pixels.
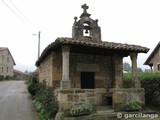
[{"x": 86, "y": 26}]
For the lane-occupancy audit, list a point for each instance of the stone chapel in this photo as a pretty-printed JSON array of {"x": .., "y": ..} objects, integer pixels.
[{"x": 85, "y": 69}]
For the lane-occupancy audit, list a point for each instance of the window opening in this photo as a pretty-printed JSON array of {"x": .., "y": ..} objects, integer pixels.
[
  {"x": 87, "y": 80},
  {"x": 158, "y": 67},
  {"x": 2, "y": 57}
]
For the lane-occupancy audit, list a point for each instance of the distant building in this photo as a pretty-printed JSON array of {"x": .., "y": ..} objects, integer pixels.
[
  {"x": 6, "y": 62},
  {"x": 18, "y": 75},
  {"x": 154, "y": 59}
]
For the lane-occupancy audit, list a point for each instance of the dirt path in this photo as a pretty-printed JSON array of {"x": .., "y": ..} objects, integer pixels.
[{"x": 15, "y": 102}]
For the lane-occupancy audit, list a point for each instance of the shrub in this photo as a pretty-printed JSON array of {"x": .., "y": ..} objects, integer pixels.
[
  {"x": 45, "y": 102},
  {"x": 9, "y": 77},
  {"x": 38, "y": 105},
  {"x": 1, "y": 77},
  {"x": 33, "y": 86},
  {"x": 151, "y": 83},
  {"x": 81, "y": 109},
  {"x": 6, "y": 77},
  {"x": 49, "y": 101},
  {"x": 127, "y": 80},
  {"x": 134, "y": 105}
]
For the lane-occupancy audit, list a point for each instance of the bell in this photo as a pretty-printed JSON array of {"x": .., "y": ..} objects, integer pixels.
[{"x": 86, "y": 32}]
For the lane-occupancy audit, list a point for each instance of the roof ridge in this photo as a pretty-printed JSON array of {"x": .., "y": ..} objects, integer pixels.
[{"x": 3, "y": 48}]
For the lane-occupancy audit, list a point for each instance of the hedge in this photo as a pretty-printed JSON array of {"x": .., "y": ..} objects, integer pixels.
[
  {"x": 44, "y": 99},
  {"x": 6, "y": 77},
  {"x": 151, "y": 83}
]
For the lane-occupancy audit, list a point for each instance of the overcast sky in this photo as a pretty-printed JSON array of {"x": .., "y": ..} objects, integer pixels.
[{"x": 123, "y": 21}]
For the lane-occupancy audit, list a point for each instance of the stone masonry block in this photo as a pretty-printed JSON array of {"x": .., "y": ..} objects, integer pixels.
[
  {"x": 119, "y": 99},
  {"x": 62, "y": 98},
  {"x": 65, "y": 84},
  {"x": 57, "y": 76},
  {"x": 90, "y": 94},
  {"x": 66, "y": 91},
  {"x": 70, "y": 97},
  {"x": 76, "y": 98},
  {"x": 99, "y": 83},
  {"x": 100, "y": 90},
  {"x": 79, "y": 91}
]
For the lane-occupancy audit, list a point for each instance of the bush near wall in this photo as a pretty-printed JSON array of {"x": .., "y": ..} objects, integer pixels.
[
  {"x": 33, "y": 86},
  {"x": 6, "y": 78},
  {"x": 44, "y": 99},
  {"x": 151, "y": 83},
  {"x": 127, "y": 80},
  {"x": 1, "y": 77}
]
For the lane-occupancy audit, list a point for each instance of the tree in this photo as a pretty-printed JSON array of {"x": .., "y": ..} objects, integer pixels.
[
  {"x": 139, "y": 70},
  {"x": 26, "y": 72},
  {"x": 126, "y": 67}
]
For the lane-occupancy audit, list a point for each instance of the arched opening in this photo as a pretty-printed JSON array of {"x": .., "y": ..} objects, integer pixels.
[{"x": 86, "y": 29}]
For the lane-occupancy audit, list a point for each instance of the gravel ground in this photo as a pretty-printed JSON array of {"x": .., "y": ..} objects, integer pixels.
[{"x": 16, "y": 102}]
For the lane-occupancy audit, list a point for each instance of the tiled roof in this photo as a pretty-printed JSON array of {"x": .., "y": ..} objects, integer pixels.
[
  {"x": 152, "y": 54},
  {"x": 19, "y": 72},
  {"x": 3, "y": 48},
  {"x": 90, "y": 42},
  {"x": 87, "y": 41}
]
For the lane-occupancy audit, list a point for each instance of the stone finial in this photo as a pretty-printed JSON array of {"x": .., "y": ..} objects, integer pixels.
[
  {"x": 85, "y": 7},
  {"x": 86, "y": 23},
  {"x": 75, "y": 18}
]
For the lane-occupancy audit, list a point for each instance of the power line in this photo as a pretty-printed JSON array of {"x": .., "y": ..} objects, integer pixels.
[
  {"x": 18, "y": 9},
  {"x": 13, "y": 11}
]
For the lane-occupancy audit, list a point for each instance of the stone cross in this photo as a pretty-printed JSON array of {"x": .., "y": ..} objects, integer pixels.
[{"x": 85, "y": 7}]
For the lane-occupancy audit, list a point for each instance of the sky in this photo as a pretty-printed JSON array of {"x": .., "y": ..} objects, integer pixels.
[{"x": 122, "y": 21}]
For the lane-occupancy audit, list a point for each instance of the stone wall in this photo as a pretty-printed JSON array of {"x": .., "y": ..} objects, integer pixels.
[
  {"x": 50, "y": 70},
  {"x": 51, "y": 73},
  {"x": 6, "y": 63},
  {"x": 101, "y": 65},
  {"x": 57, "y": 69},
  {"x": 122, "y": 97},
  {"x": 45, "y": 71},
  {"x": 70, "y": 97}
]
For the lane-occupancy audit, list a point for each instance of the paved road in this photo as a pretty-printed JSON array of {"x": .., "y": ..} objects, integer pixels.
[{"x": 15, "y": 102}]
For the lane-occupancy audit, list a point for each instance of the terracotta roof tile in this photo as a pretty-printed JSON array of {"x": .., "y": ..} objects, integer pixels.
[
  {"x": 90, "y": 42},
  {"x": 101, "y": 44}
]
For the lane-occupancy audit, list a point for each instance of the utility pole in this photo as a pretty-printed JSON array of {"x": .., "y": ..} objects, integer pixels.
[{"x": 39, "y": 36}]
